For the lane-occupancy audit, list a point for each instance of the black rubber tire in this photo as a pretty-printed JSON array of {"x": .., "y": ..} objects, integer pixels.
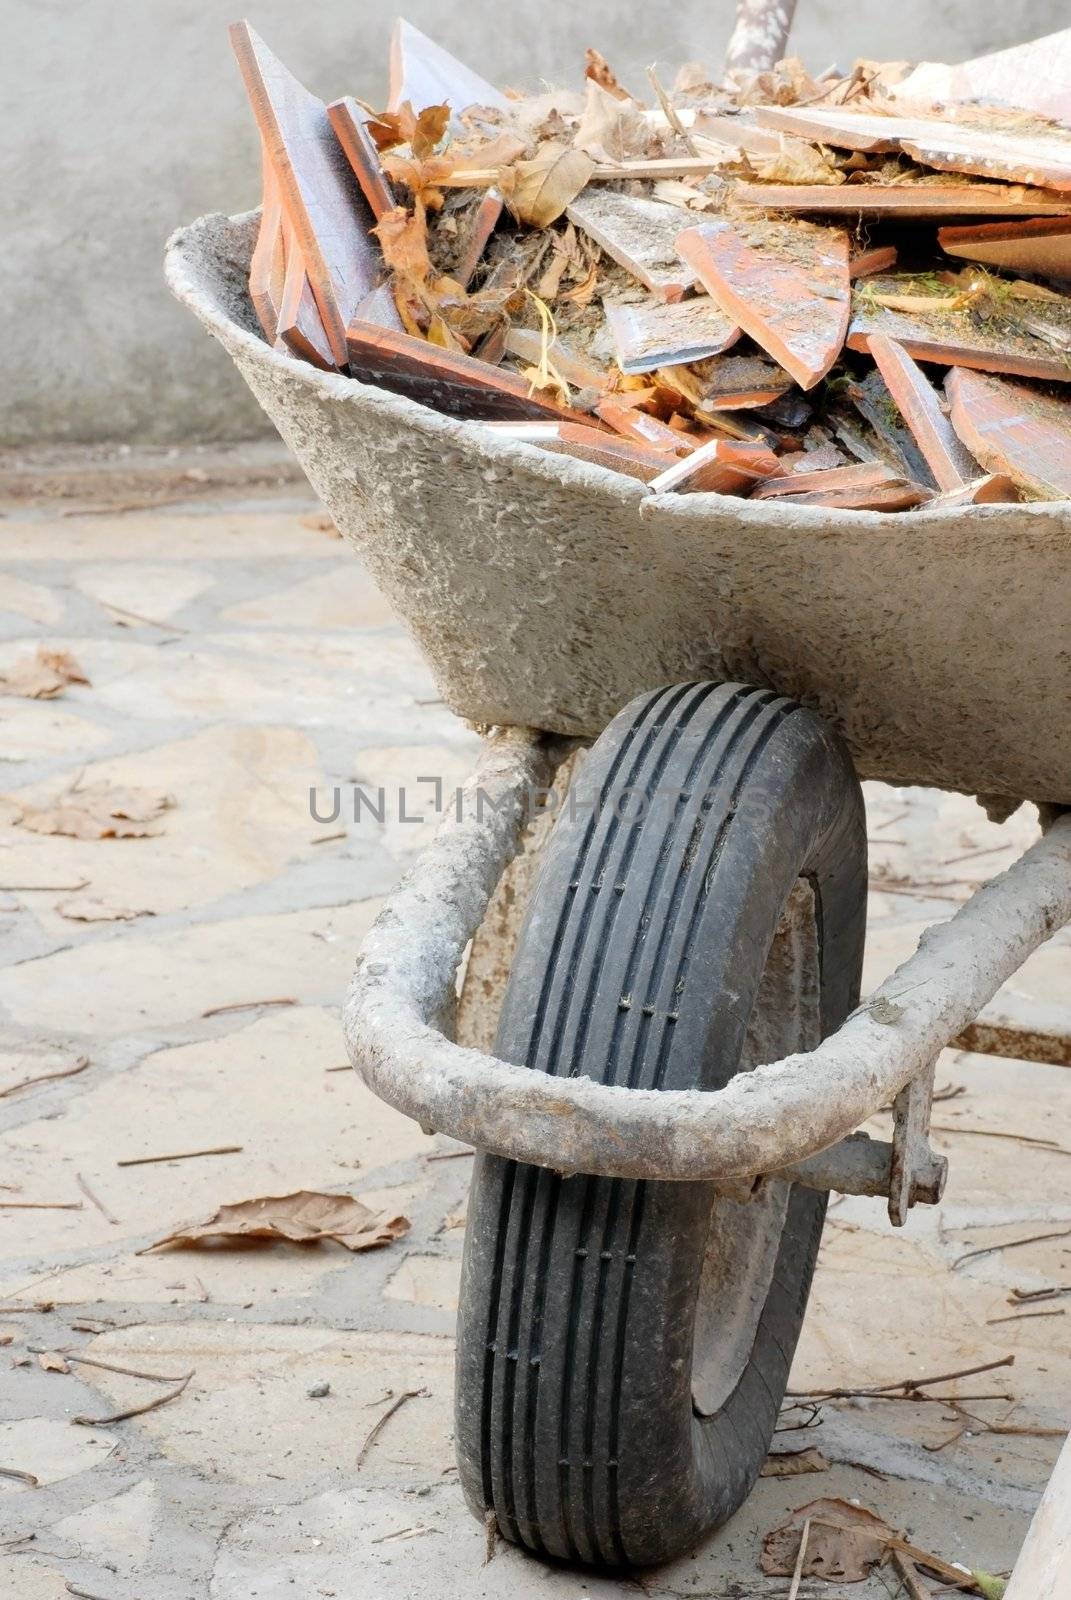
[{"x": 640, "y": 959}]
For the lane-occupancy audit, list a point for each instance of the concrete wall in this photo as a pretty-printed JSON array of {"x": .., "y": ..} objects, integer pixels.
[{"x": 128, "y": 117}]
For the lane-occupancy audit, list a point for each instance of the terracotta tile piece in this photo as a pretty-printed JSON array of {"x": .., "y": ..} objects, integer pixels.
[
  {"x": 863, "y": 475},
  {"x": 657, "y": 334},
  {"x": 904, "y": 200},
  {"x": 729, "y": 383},
  {"x": 300, "y": 327},
  {"x": 989, "y": 490},
  {"x": 590, "y": 444},
  {"x": 422, "y": 72},
  {"x": 899, "y": 495},
  {"x": 880, "y": 259},
  {"x": 643, "y": 429},
  {"x": 326, "y": 211},
  {"x": 482, "y": 225},
  {"x": 959, "y": 338},
  {"x": 348, "y": 121},
  {"x": 785, "y": 283},
  {"x": 1036, "y": 246},
  {"x": 1035, "y": 75},
  {"x": 1039, "y": 159},
  {"x": 442, "y": 379},
  {"x": 740, "y": 132},
  {"x": 724, "y": 466},
  {"x": 267, "y": 268},
  {"x": 527, "y": 345},
  {"x": 1014, "y": 431},
  {"x": 379, "y": 307},
  {"x": 949, "y": 460},
  {"x": 639, "y": 235}
]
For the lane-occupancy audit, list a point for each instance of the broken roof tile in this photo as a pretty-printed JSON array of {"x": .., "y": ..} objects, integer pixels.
[
  {"x": 1000, "y": 342},
  {"x": 590, "y": 444},
  {"x": 861, "y": 475},
  {"x": 527, "y": 345},
  {"x": 1038, "y": 245},
  {"x": 880, "y": 258},
  {"x": 896, "y": 494},
  {"x": 644, "y": 429},
  {"x": 785, "y": 283},
  {"x": 425, "y": 74},
  {"x": 1035, "y": 75},
  {"x": 267, "y": 268},
  {"x": 300, "y": 327},
  {"x": 908, "y": 200},
  {"x": 481, "y": 226},
  {"x": 657, "y": 334},
  {"x": 948, "y": 458},
  {"x": 991, "y": 489},
  {"x": 443, "y": 379},
  {"x": 724, "y": 466},
  {"x": 349, "y": 123},
  {"x": 320, "y": 197},
  {"x": 1040, "y": 159},
  {"x": 1014, "y": 431},
  {"x": 639, "y": 235}
]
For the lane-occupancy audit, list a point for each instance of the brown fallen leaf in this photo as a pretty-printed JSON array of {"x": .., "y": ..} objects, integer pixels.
[
  {"x": 611, "y": 129},
  {"x": 420, "y": 131},
  {"x": 845, "y": 1542},
  {"x": 99, "y": 812},
  {"x": 792, "y": 1463},
  {"x": 42, "y": 677},
  {"x": 87, "y": 908},
  {"x": 598, "y": 70},
  {"x": 304, "y": 1217},
  {"x": 52, "y": 1361},
  {"x": 541, "y": 189},
  {"x": 796, "y": 162}
]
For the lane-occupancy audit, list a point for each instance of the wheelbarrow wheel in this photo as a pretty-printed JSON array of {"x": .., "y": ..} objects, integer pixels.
[{"x": 624, "y": 1345}]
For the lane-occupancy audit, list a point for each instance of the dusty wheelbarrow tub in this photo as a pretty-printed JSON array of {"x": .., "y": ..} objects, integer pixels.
[{"x": 646, "y": 1206}]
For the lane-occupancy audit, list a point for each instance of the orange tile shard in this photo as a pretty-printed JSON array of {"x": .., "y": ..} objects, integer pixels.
[
  {"x": 1038, "y": 245},
  {"x": 425, "y": 74},
  {"x": 954, "y": 336},
  {"x": 986, "y": 152},
  {"x": 785, "y": 283},
  {"x": 267, "y": 268},
  {"x": 907, "y": 200},
  {"x": 319, "y": 193},
  {"x": 947, "y": 457},
  {"x": 1015, "y": 432},
  {"x": 444, "y": 379},
  {"x": 349, "y": 123}
]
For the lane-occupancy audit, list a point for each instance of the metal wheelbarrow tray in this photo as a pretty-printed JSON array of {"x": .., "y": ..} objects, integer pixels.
[{"x": 625, "y": 1334}]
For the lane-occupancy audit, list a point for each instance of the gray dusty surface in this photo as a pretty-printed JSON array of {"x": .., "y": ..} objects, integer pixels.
[{"x": 237, "y": 655}]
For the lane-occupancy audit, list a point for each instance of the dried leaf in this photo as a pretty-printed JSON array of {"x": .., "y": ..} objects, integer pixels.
[
  {"x": 791, "y": 1463},
  {"x": 42, "y": 677},
  {"x": 99, "y": 812},
  {"x": 845, "y": 1542},
  {"x": 796, "y": 162},
  {"x": 304, "y": 1217},
  {"x": 421, "y": 178},
  {"x": 598, "y": 70},
  {"x": 543, "y": 187},
  {"x": 675, "y": 193},
  {"x": 88, "y": 908},
  {"x": 611, "y": 129},
  {"x": 52, "y": 1361},
  {"x": 420, "y": 131}
]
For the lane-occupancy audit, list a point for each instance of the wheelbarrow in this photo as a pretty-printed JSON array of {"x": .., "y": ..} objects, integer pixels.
[{"x": 672, "y": 1079}]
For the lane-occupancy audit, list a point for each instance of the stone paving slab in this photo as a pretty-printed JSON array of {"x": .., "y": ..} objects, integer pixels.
[{"x": 238, "y": 655}]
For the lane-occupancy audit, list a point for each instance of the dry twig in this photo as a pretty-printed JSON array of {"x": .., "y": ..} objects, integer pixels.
[
  {"x": 184, "y": 1155},
  {"x": 1010, "y": 1244},
  {"x": 380, "y": 1423},
  {"x": 135, "y": 1411},
  {"x": 95, "y": 1200},
  {"x": 47, "y": 1077}
]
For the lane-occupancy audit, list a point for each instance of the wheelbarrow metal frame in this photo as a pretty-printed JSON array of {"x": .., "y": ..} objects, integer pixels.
[{"x": 794, "y": 1117}]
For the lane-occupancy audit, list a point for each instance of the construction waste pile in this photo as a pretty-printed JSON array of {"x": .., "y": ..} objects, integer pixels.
[{"x": 846, "y": 291}]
